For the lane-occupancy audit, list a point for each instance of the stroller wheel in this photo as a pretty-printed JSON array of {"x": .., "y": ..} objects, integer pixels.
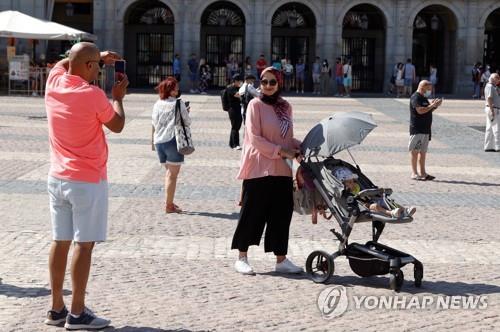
[
  {"x": 320, "y": 266},
  {"x": 396, "y": 280},
  {"x": 418, "y": 274}
]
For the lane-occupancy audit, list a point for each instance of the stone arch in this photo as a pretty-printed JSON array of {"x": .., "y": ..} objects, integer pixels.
[
  {"x": 124, "y": 9},
  {"x": 242, "y": 5},
  {"x": 379, "y": 5},
  {"x": 415, "y": 10},
  {"x": 311, "y": 5},
  {"x": 487, "y": 12}
]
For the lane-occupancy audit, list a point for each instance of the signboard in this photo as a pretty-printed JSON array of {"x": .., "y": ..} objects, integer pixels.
[
  {"x": 11, "y": 52},
  {"x": 19, "y": 68}
]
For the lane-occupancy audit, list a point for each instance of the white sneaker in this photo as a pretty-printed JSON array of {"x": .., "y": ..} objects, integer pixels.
[
  {"x": 242, "y": 266},
  {"x": 409, "y": 211},
  {"x": 237, "y": 148},
  {"x": 287, "y": 266}
]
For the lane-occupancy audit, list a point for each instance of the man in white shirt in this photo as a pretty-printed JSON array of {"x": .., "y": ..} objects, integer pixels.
[
  {"x": 492, "y": 109},
  {"x": 247, "y": 92}
]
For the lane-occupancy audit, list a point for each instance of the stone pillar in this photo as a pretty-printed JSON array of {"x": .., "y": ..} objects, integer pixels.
[
  {"x": 471, "y": 48},
  {"x": 190, "y": 42},
  {"x": 261, "y": 31}
]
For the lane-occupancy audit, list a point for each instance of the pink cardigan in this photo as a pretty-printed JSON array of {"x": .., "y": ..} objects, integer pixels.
[{"x": 263, "y": 141}]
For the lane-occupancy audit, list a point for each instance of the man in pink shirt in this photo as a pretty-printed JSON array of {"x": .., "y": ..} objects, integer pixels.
[{"x": 77, "y": 182}]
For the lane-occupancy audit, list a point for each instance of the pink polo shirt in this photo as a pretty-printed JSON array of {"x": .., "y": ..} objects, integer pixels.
[
  {"x": 262, "y": 142},
  {"x": 76, "y": 111}
]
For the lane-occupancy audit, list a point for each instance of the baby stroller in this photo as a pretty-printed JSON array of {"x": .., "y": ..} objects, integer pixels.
[{"x": 330, "y": 136}]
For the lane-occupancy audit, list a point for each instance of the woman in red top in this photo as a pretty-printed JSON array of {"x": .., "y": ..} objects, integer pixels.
[{"x": 267, "y": 195}]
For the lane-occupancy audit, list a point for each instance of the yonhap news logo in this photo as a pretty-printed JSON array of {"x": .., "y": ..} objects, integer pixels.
[{"x": 334, "y": 301}]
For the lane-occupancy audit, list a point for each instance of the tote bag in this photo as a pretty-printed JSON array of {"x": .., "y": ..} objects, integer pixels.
[{"x": 182, "y": 132}]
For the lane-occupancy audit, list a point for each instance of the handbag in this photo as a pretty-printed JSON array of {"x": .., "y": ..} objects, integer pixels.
[{"x": 182, "y": 132}]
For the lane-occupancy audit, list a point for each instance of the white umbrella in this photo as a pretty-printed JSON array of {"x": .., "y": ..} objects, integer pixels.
[
  {"x": 14, "y": 24},
  {"x": 336, "y": 133}
]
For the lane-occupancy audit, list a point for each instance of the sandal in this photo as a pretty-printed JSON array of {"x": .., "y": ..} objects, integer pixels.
[
  {"x": 172, "y": 208},
  {"x": 429, "y": 177},
  {"x": 418, "y": 178}
]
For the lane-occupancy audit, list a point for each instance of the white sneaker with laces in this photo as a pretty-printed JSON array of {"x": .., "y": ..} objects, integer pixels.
[
  {"x": 242, "y": 266},
  {"x": 409, "y": 211},
  {"x": 286, "y": 266}
]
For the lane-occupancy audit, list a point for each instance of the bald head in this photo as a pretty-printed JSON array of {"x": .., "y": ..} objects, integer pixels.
[
  {"x": 494, "y": 78},
  {"x": 424, "y": 84},
  {"x": 82, "y": 52},
  {"x": 84, "y": 60}
]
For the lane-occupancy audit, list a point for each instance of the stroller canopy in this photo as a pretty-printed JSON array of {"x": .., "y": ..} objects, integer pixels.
[{"x": 336, "y": 133}]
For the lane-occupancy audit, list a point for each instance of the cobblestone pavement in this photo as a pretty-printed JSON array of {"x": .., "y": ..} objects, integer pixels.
[{"x": 163, "y": 272}]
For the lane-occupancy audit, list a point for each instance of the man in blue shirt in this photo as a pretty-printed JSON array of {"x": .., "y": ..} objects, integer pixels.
[{"x": 177, "y": 67}]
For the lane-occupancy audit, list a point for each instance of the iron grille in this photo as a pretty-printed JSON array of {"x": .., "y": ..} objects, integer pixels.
[
  {"x": 361, "y": 51},
  {"x": 155, "y": 52},
  {"x": 219, "y": 49}
]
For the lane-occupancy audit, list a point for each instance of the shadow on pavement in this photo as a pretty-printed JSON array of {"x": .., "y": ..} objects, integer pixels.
[
  {"x": 482, "y": 184},
  {"x": 22, "y": 292},
  {"x": 433, "y": 287},
  {"x": 142, "y": 329},
  {"x": 230, "y": 216},
  {"x": 295, "y": 276}
]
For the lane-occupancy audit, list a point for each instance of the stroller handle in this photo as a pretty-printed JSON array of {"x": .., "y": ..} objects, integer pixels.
[{"x": 370, "y": 193}]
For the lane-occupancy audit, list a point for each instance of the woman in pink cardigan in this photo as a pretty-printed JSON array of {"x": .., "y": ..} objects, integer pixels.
[{"x": 267, "y": 194}]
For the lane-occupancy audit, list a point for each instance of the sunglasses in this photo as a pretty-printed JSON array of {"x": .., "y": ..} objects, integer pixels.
[
  {"x": 272, "y": 82},
  {"x": 100, "y": 63}
]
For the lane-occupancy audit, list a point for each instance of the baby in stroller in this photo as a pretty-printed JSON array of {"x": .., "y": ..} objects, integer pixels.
[
  {"x": 348, "y": 179},
  {"x": 308, "y": 200}
]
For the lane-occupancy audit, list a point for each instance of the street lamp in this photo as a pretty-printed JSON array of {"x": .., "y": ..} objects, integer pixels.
[
  {"x": 434, "y": 22},
  {"x": 222, "y": 19},
  {"x": 293, "y": 18},
  {"x": 364, "y": 22},
  {"x": 70, "y": 9}
]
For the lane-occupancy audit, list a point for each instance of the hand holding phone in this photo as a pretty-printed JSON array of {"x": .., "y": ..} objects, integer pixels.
[{"x": 119, "y": 70}]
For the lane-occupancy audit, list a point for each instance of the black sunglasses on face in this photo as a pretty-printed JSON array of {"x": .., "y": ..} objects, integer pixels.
[
  {"x": 272, "y": 82},
  {"x": 100, "y": 63}
]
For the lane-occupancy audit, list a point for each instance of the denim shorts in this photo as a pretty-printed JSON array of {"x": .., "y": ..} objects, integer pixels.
[
  {"x": 167, "y": 153},
  {"x": 408, "y": 81},
  {"x": 347, "y": 81},
  {"x": 339, "y": 80},
  {"x": 78, "y": 210}
]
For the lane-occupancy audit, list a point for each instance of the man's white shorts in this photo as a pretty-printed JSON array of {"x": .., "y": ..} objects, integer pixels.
[
  {"x": 78, "y": 210},
  {"x": 419, "y": 142}
]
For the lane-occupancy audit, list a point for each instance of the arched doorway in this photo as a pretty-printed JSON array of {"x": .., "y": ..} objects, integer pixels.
[
  {"x": 293, "y": 35},
  {"x": 434, "y": 42},
  {"x": 149, "y": 43},
  {"x": 363, "y": 42},
  {"x": 492, "y": 41},
  {"x": 222, "y": 39}
]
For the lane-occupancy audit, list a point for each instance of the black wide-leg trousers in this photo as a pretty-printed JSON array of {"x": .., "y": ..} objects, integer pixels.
[
  {"x": 236, "y": 120},
  {"x": 266, "y": 202}
]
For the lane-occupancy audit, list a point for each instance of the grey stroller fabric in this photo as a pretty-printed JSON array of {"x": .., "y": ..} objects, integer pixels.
[{"x": 336, "y": 133}]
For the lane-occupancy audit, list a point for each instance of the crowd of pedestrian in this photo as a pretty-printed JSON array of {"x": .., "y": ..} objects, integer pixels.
[{"x": 295, "y": 75}]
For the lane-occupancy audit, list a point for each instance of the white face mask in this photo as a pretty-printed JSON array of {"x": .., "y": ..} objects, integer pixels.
[{"x": 427, "y": 93}]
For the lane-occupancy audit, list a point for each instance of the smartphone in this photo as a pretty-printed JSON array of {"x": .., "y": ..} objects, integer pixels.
[
  {"x": 187, "y": 104},
  {"x": 119, "y": 70}
]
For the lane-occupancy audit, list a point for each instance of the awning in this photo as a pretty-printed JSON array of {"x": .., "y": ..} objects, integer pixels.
[{"x": 14, "y": 24}]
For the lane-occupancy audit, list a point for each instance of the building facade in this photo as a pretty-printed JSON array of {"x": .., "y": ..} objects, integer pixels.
[{"x": 373, "y": 35}]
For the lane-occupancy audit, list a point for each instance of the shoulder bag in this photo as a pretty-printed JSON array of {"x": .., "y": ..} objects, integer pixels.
[{"x": 182, "y": 132}]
